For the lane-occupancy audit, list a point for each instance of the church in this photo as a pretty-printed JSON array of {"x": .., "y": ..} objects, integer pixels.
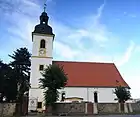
[{"x": 87, "y": 81}]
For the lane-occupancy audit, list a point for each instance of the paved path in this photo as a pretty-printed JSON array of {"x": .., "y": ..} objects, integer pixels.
[
  {"x": 120, "y": 116},
  {"x": 94, "y": 116}
]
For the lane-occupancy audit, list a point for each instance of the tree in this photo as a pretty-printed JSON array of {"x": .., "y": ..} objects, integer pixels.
[
  {"x": 21, "y": 66},
  {"x": 6, "y": 82},
  {"x": 123, "y": 94},
  {"x": 2, "y": 79},
  {"x": 54, "y": 78}
]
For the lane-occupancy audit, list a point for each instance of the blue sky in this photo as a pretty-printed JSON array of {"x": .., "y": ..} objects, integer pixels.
[{"x": 86, "y": 30}]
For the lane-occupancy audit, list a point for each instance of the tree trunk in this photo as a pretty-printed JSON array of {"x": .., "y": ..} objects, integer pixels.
[
  {"x": 19, "y": 106},
  {"x": 17, "y": 111},
  {"x": 121, "y": 105},
  {"x": 54, "y": 109},
  {"x": 48, "y": 110}
]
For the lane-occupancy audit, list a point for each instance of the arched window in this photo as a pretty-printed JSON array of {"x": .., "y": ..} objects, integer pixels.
[
  {"x": 63, "y": 96},
  {"x": 42, "y": 43},
  {"x": 95, "y": 97}
]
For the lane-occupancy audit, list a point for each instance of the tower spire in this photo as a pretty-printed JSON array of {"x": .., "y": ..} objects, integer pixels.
[{"x": 43, "y": 27}]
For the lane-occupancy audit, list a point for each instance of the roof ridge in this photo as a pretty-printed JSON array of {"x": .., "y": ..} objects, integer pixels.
[{"x": 84, "y": 62}]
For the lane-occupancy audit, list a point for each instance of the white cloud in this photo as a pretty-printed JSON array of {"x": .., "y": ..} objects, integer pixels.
[
  {"x": 49, "y": 0},
  {"x": 69, "y": 42},
  {"x": 96, "y": 30},
  {"x": 23, "y": 29},
  {"x": 92, "y": 31},
  {"x": 129, "y": 15},
  {"x": 124, "y": 13},
  {"x": 64, "y": 50},
  {"x": 29, "y": 3},
  {"x": 132, "y": 78},
  {"x": 99, "y": 13},
  {"x": 132, "y": 15},
  {"x": 127, "y": 55},
  {"x": 137, "y": 48}
]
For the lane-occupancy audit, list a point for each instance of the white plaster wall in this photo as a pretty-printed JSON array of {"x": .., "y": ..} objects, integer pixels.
[
  {"x": 105, "y": 95},
  {"x": 35, "y": 73},
  {"x": 35, "y": 92},
  {"x": 36, "y": 60},
  {"x": 36, "y": 95},
  {"x": 36, "y": 44}
]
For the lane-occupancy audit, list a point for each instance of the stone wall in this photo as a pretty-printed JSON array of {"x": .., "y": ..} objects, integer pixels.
[
  {"x": 135, "y": 107},
  {"x": 7, "y": 109},
  {"x": 91, "y": 108},
  {"x": 71, "y": 108},
  {"x": 108, "y": 107}
]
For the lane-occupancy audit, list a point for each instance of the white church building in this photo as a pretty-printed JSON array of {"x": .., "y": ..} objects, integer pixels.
[{"x": 87, "y": 81}]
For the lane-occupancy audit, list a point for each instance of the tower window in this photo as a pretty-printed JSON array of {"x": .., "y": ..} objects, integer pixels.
[
  {"x": 39, "y": 105},
  {"x": 41, "y": 67},
  {"x": 42, "y": 43}
]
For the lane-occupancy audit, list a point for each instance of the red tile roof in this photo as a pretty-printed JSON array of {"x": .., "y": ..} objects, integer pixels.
[{"x": 91, "y": 74}]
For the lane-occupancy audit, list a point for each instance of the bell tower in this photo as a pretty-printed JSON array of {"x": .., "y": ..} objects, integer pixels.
[{"x": 42, "y": 48}]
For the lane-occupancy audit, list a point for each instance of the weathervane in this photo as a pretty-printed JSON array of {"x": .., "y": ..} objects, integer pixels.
[{"x": 45, "y": 5}]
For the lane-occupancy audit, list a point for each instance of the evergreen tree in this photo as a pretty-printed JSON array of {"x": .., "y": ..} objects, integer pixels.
[
  {"x": 21, "y": 66},
  {"x": 2, "y": 80},
  {"x": 123, "y": 94},
  {"x": 8, "y": 87},
  {"x": 54, "y": 78}
]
